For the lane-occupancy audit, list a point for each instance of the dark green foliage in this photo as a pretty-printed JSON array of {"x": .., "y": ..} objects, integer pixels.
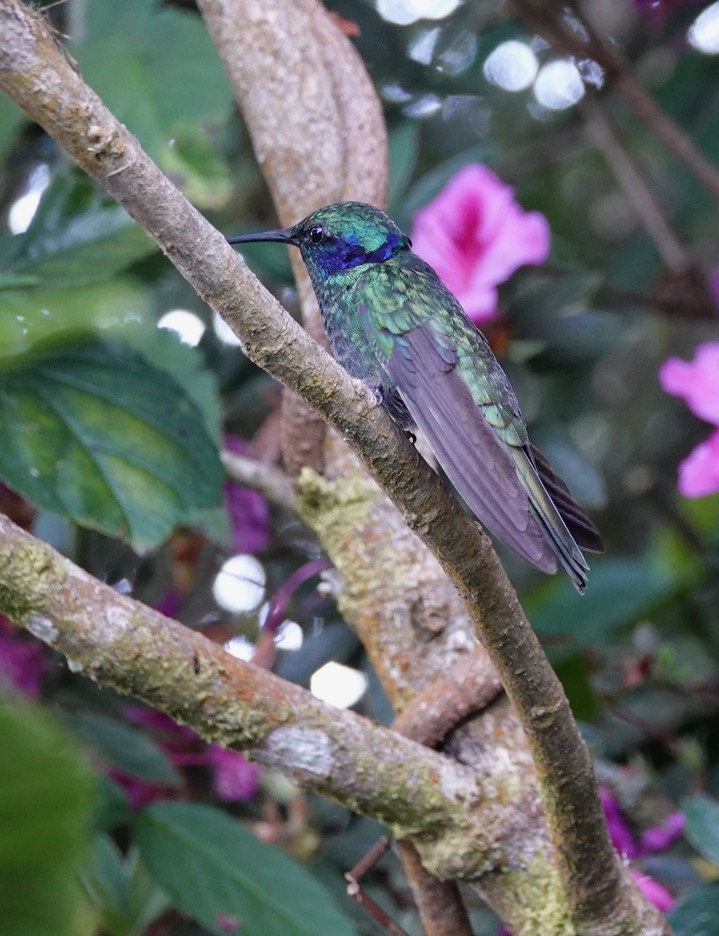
[
  {"x": 46, "y": 799},
  {"x": 215, "y": 870}
]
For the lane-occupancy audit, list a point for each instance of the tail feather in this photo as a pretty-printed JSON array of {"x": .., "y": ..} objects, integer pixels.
[
  {"x": 578, "y": 523},
  {"x": 561, "y": 519}
]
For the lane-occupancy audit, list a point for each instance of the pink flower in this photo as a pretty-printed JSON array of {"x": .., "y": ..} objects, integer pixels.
[
  {"x": 659, "y": 838},
  {"x": 619, "y": 832},
  {"x": 475, "y": 235},
  {"x": 248, "y": 510},
  {"x": 235, "y": 777},
  {"x": 653, "y": 891},
  {"x": 697, "y": 382},
  {"x": 22, "y": 664}
]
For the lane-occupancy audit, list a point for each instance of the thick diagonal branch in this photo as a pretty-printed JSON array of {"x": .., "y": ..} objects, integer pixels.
[{"x": 124, "y": 644}]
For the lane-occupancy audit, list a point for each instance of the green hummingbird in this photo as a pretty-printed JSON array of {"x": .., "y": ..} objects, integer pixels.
[{"x": 393, "y": 324}]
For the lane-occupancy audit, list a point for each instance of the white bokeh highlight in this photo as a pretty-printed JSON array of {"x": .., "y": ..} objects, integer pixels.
[
  {"x": 188, "y": 327},
  {"x": 558, "y": 85},
  {"x": 405, "y": 12},
  {"x": 512, "y": 66},
  {"x": 23, "y": 209},
  {"x": 239, "y": 586},
  {"x": 703, "y": 34},
  {"x": 339, "y": 685}
]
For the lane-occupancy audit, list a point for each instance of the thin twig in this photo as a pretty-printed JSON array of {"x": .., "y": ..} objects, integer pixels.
[
  {"x": 440, "y": 903},
  {"x": 548, "y": 20},
  {"x": 267, "y": 479},
  {"x": 465, "y": 690},
  {"x": 636, "y": 190}
]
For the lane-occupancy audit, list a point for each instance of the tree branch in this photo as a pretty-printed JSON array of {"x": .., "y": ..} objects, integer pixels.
[
  {"x": 549, "y": 21},
  {"x": 632, "y": 182},
  {"x": 122, "y": 643},
  {"x": 307, "y": 67},
  {"x": 267, "y": 479},
  {"x": 37, "y": 76}
]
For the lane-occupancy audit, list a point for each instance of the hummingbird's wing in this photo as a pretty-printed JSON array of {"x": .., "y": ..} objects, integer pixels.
[{"x": 460, "y": 398}]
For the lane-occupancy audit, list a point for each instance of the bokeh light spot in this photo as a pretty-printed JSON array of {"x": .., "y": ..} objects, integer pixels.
[
  {"x": 558, "y": 85},
  {"x": 186, "y": 325},
  {"x": 512, "y": 66},
  {"x": 338, "y": 685},
  {"x": 239, "y": 586},
  {"x": 703, "y": 34}
]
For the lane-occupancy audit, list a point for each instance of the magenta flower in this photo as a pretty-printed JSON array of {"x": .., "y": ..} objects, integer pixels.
[
  {"x": 475, "y": 235},
  {"x": 22, "y": 664},
  {"x": 235, "y": 779},
  {"x": 653, "y": 840},
  {"x": 248, "y": 510},
  {"x": 653, "y": 891},
  {"x": 697, "y": 382},
  {"x": 619, "y": 832}
]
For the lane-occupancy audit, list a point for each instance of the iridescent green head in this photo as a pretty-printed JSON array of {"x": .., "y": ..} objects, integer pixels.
[{"x": 339, "y": 237}]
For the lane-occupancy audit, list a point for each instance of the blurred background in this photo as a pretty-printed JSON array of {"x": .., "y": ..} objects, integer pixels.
[{"x": 568, "y": 107}]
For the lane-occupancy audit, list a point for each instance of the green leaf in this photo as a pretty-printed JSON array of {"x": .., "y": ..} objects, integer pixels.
[
  {"x": 95, "y": 433},
  {"x": 12, "y": 118},
  {"x": 619, "y": 592},
  {"x": 125, "y": 747},
  {"x": 697, "y": 914},
  {"x": 403, "y": 155},
  {"x": 46, "y": 803},
  {"x": 32, "y": 316},
  {"x": 702, "y": 828},
  {"x": 199, "y": 169},
  {"x": 574, "y": 676},
  {"x": 128, "y": 899},
  {"x": 104, "y": 881},
  {"x": 163, "y": 349},
  {"x": 77, "y": 236},
  {"x": 168, "y": 68},
  {"x": 215, "y": 870}
]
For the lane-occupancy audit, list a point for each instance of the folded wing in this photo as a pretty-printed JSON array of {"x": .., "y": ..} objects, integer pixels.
[{"x": 478, "y": 436}]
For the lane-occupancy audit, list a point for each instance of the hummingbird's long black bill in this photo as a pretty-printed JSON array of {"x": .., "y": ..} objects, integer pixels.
[{"x": 280, "y": 237}]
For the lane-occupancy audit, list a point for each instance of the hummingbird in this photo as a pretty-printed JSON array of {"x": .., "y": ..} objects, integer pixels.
[{"x": 393, "y": 324}]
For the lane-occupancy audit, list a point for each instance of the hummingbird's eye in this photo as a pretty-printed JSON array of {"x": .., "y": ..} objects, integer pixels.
[{"x": 317, "y": 234}]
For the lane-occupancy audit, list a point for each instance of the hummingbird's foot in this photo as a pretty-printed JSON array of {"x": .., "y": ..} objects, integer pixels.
[
  {"x": 378, "y": 395},
  {"x": 411, "y": 436}
]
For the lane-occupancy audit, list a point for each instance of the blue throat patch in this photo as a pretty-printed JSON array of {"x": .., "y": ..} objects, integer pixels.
[{"x": 355, "y": 254}]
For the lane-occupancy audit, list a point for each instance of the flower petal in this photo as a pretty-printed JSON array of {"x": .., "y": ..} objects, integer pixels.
[
  {"x": 696, "y": 382},
  {"x": 475, "y": 235},
  {"x": 699, "y": 473}
]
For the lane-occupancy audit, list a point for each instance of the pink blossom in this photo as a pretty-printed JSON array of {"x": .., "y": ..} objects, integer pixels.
[
  {"x": 475, "y": 235},
  {"x": 697, "y": 382},
  {"x": 235, "y": 777},
  {"x": 619, "y": 832},
  {"x": 659, "y": 838},
  {"x": 22, "y": 663},
  {"x": 248, "y": 510},
  {"x": 653, "y": 891},
  {"x": 699, "y": 472}
]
